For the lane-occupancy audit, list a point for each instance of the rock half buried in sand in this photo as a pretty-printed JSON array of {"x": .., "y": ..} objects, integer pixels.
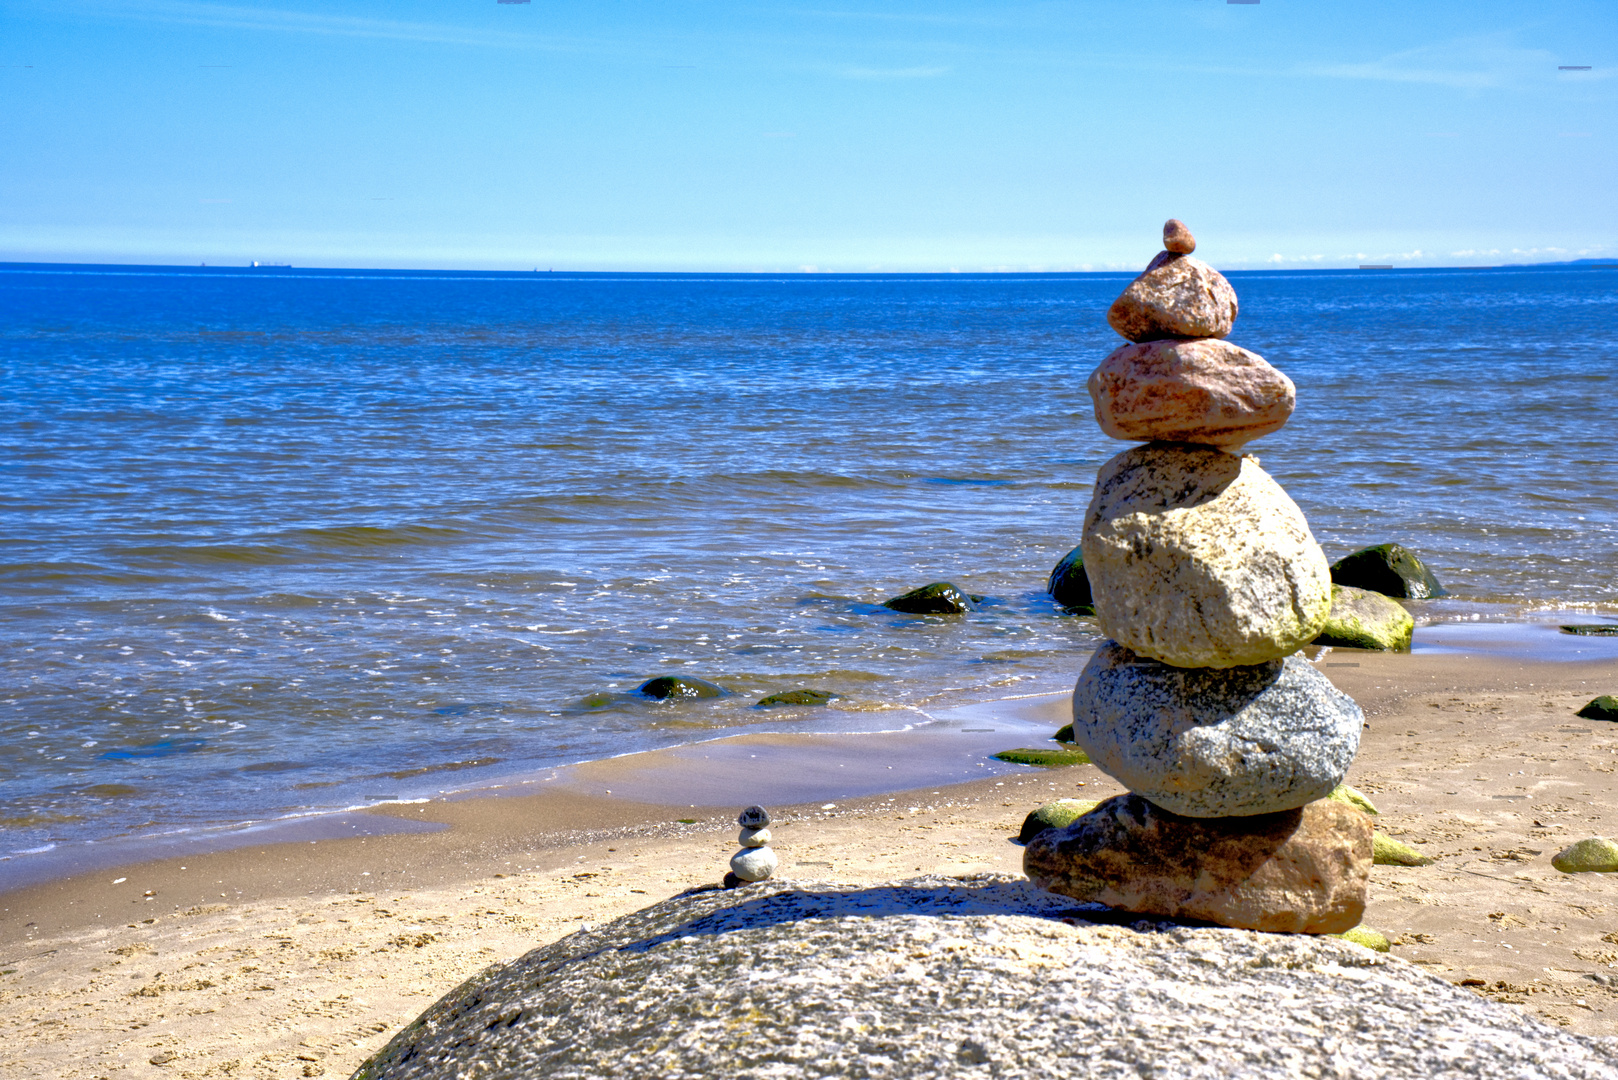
[
  {"x": 796, "y": 697},
  {"x": 1203, "y": 391},
  {"x": 1045, "y": 758},
  {"x": 1176, "y": 297},
  {"x": 1361, "y": 619},
  {"x": 939, "y": 598},
  {"x": 1388, "y": 569},
  {"x": 1364, "y": 936},
  {"x": 1215, "y": 742},
  {"x": 754, "y": 863},
  {"x": 1054, "y": 815},
  {"x": 781, "y": 980},
  {"x": 1068, "y": 584},
  {"x": 678, "y": 687},
  {"x": 1596, "y": 855},
  {"x": 1197, "y": 558},
  {"x": 1386, "y": 851},
  {"x": 1177, "y": 238},
  {"x": 1299, "y": 871},
  {"x": 1604, "y": 707}
]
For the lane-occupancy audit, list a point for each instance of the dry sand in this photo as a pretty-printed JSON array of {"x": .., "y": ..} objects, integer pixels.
[{"x": 302, "y": 959}]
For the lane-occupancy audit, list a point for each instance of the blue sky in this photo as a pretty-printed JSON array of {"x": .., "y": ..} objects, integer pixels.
[{"x": 840, "y": 136}]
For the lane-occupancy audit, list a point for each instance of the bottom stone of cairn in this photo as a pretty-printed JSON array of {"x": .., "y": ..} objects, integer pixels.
[{"x": 1296, "y": 871}]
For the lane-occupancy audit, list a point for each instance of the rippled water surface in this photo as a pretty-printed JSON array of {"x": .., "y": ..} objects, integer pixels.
[{"x": 280, "y": 540}]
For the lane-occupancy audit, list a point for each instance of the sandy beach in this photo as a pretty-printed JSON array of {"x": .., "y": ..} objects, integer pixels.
[{"x": 300, "y": 959}]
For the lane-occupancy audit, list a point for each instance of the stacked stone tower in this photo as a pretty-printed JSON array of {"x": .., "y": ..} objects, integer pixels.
[{"x": 1207, "y": 580}]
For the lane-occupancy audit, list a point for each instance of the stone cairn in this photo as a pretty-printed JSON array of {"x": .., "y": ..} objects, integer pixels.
[
  {"x": 1207, "y": 581},
  {"x": 755, "y": 861}
]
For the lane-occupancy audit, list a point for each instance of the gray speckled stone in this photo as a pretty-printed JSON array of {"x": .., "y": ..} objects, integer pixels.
[
  {"x": 1215, "y": 742},
  {"x": 753, "y": 863},
  {"x": 935, "y": 978}
]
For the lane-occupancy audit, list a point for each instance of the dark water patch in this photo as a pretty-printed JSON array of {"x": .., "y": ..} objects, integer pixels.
[
  {"x": 274, "y": 766},
  {"x": 159, "y": 749},
  {"x": 111, "y": 791},
  {"x": 447, "y": 766}
]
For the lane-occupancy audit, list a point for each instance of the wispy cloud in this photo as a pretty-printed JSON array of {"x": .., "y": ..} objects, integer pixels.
[
  {"x": 1472, "y": 63},
  {"x": 891, "y": 73},
  {"x": 239, "y": 17}
]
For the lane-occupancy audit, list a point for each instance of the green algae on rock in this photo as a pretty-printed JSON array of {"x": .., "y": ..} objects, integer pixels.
[
  {"x": 1047, "y": 759},
  {"x": 1353, "y": 797},
  {"x": 1386, "y": 851},
  {"x": 1389, "y": 569},
  {"x": 1054, "y": 815},
  {"x": 666, "y": 687},
  {"x": 1372, "y": 939},
  {"x": 1361, "y": 619},
  {"x": 939, "y": 598},
  {"x": 796, "y": 697},
  {"x": 1064, "y": 734},
  {"x": 1595, "y": 855},
  {"x": 1604, "y": 707},
  {"x": 1069, "y": 585},
  {"x": 1591, "y": 629}
]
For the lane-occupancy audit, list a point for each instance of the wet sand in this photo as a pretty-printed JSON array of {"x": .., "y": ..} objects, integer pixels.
[{"x": 300, "y": 959}]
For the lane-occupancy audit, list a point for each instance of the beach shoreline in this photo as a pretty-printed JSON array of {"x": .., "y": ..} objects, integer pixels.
[{"x": 325, "y": 949}]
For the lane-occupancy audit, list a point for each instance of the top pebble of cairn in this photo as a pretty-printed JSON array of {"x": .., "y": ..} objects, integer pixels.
[
  {"x": 1177, "y": 238},
  {"x": 754, "y": 817}
]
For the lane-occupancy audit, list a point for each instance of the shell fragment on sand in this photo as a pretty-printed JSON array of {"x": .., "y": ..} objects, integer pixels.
[
  {"x": 1202, "y": 391},
  {"x": 1215, "y": 742},
  {"x": 1361, "y": 619},
  {"x": 1197, "y": 558},
  {"x": 1298, "y": 871},
  {"x": 1177, "y": 296}
]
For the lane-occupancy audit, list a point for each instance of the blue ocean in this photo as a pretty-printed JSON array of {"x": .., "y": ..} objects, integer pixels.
[{"x": 276, "y": 541}]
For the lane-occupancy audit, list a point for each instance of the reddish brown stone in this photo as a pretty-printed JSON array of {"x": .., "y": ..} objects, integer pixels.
[
  {"x": 1203, "y": 391},
  {"x": 1297, "y": 871},
  {"x": 1177, "y": 238},
  {"x": 1178, "y": 296}
]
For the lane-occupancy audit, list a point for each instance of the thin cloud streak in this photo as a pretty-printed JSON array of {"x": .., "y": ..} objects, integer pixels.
[
  {"x": 892, "y": 73},
  {"x": 235, "y": 17}
]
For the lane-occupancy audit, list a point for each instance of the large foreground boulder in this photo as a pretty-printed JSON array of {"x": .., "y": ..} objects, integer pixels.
[{"x": 981, "y": 977}]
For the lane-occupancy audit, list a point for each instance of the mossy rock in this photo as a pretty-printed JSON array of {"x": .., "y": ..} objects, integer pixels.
[
  {"x": 1049, "y": 759},
  {"x": 1604, "y": 707},
  {"x": 1374, "y": 940},
  {"x": 1591, "y": 629},
  {"x": 796, "y": 697},
  {"x": 939, "y": 598},
  {"x": 1064, "y": 733},
  {"x": 679, "y": 687},
  {"x": 1386, "y": 851},
  {"x": 1389, "y": 569},
  {"x": 1054, "y": 815},
  {"x": 1596, "y": 855},
  {"x": 1356, "y": 799},
  {"x": 1360, "y": 619},
  {"x": 1069, "y": 585}
]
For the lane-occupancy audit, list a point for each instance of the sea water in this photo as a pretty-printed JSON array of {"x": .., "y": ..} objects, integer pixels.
[{"x": 276, "y": 541}]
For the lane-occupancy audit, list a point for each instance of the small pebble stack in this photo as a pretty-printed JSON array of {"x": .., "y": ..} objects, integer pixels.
[
  {"x": 1207, "y": 579},
  {"x": 755, "y": 861}
]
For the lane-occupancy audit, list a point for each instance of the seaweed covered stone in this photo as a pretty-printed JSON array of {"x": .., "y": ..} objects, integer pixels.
[
  {"x": 1068, "y": 583},
  {"x": 939, "y": 598},
  {"x": 1389, "y": 569},
  {"x": 1215, "y": 742},
  {"x": 1360, "y": 619},
  {"x": 1054, "y": 815},
  {"x": 1197, "y": 558},
  {"x": 679, "y": 687}
]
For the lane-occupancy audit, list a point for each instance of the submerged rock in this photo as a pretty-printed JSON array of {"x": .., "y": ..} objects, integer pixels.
[
  {"x": 820, "y": 981},
  {"x": 1361, "y": 619},
  {"x": 796, "y": 697},
  {"x": 1604, "y": 707},
  {"x": 1386, "y": 851},
  {"x": 1204, "y": 391},
  {"x": 1299, "y": 871},
  {"x": 1591, "y": 629},
  {"x": 1054, "y": 815},
  {"x": 1177, "y": 296},
  {"x": 1045, "y": 758},
  {"x": 665, "y": 687},
  {"x": 1389, "y": 569},
  {"x": 939, "y": 598},
  {"x": 1596, "y": 855},
  {"x": 1068, "y": 584},
  {"x": 1215, "y": 742},
  {"x": 1198, "y": 559}
]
